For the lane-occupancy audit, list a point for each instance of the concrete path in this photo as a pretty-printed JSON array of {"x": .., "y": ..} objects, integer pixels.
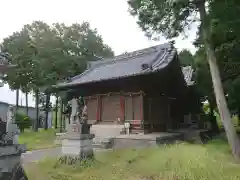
[{"x": 37, "y": 155}]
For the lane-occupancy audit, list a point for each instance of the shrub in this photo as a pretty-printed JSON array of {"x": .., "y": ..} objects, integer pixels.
[{"x": 23, "y": 121}]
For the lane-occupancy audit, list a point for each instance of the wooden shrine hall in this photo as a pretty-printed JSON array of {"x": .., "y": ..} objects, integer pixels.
[{"x": 146, "y": 87}]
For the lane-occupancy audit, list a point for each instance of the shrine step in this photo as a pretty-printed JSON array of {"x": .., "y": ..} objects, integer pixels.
[
  {"x": 106, "y": 130},
  {"x": 137, "y": 131},
  {"x": 104, "y": 133},
  {"x": 100, "y": 143}
]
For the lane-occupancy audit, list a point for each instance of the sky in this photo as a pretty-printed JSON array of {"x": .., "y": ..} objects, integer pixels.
[{"x": 110, "y": 17}]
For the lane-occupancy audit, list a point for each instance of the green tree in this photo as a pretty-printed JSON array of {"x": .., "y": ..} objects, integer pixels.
[
  {"x": 47, "y": 54},
  {"x": 186, "y": 58},
  {"x": 204, "y": 85},
  {"x": 18, "y": 78},
  {"x": 226, "y": 40},
  {"x": 172, "y": 18}
]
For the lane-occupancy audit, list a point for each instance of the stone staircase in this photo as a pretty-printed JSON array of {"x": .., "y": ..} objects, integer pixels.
[{"x": 104, "y": 134}]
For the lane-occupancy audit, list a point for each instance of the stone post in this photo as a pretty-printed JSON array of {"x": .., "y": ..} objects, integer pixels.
[
  {"x": 77, "y": 143},
  {"x": 10, "y": 151}
]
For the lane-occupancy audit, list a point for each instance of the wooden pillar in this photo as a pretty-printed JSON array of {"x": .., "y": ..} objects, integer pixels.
[
  {"x": 99, "y": 108},
  {"x": 150, "y": 120},
  {"x": 141, "y": 107},
  {"x": 169, "y": 123},
  {"x": 122, "y": 104},
  {"x": 142, "y": 111},
  {"x": 133, "y": 118}
]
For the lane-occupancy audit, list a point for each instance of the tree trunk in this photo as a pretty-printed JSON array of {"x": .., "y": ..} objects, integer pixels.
[
  {"x": 217, "y": 83},
  {"x": 238, "y": 114},
  {"x": 56, "y": 113},
  {"x": 64, "y": 117},
  {"x": 17, "y": 100},
  {"x": 213, "y": 119},
  {"x": 37, "y": 111},
  {"x": 61, "y": 118},
  {"x": 46, "y": 110},
  {"x": 26, "y": 95}
]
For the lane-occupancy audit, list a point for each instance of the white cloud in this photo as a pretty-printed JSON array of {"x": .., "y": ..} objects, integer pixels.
[{"x": 118, "y": 29}]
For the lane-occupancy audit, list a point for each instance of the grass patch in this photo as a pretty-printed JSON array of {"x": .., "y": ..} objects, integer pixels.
[
  {"x": 38, "y": 140},
  {"x": 175, "y": 162}
]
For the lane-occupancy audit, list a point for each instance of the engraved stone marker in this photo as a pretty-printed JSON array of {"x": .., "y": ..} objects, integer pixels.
[
  {"x": 78, "y": 142},
  {"x": 10, "y": 150}
]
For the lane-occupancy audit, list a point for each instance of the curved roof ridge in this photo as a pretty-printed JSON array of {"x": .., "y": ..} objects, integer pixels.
[
  {"x": 126, "y": 57},
  {"x": 130, "y": 64},
  {"x": 131, "y": 55}
]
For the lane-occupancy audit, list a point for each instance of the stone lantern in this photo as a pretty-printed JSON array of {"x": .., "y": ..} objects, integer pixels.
[{"x": 10, "y": 150}]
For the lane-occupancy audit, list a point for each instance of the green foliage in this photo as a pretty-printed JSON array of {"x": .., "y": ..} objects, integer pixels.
[
  {"x": 202, "y": 76},
  {"x": 233, "y": 87},
  {"x": 206, "y": 108},
  {"x": 179, "y": 161},
  {"x": 42, "y": 139},
  {"x": 46, "y": 54},
  {"x": 186, "y": 58},
  {"x": 169, "y": 18},
  {"x": 23, "y": 121},
  {"x": 225, "y": 26}
]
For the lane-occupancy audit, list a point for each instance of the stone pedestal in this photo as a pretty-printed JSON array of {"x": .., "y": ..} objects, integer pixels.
[
  {"x": 76, "y": 143},
  {"x": 10, "y": 162}
]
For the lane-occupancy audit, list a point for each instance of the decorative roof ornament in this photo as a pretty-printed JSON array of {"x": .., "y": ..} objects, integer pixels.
[{"x": 188, "y": 73}]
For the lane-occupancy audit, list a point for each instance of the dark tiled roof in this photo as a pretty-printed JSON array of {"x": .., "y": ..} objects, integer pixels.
[{"x": 130, "y": 64}]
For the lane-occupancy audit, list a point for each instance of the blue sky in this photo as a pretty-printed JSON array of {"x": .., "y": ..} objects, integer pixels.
[{"x": 111, "y": 18}]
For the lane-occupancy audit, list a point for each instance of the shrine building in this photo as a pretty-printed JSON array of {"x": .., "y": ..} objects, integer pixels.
[{"x": 146, "y": 87}]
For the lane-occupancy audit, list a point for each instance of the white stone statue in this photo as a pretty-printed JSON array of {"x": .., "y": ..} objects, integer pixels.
[
  {"x": 10, "y": 115},
  {"x": 74, "y": 114},
  {"x": 84, "y": 112}
]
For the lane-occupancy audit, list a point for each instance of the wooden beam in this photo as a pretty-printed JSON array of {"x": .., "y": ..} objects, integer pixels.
[{"x": 122, "y": 104}]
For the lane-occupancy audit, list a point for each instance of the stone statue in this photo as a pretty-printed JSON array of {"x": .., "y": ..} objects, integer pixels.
[
  {"x": 10, "y": 150},
  {"x": 74, "y": 114},
  {"x": 74, "y": 125},
  {"x": 11, "y": 128},
  {"x": 77, "y": 143},
  {"x": 3, "y": 131},
  {"x": 84, "y": 115}
]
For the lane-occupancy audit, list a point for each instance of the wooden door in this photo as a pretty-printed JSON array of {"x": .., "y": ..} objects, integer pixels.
[
  {"x": 92, "y": 106},
  {"x": 137, "y": 107},
  {"x": 111, "y": 108},
  {"x": 128, "y": 111}
]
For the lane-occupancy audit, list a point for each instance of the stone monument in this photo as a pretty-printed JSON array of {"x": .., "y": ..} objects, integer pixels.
[
  {"x": 10, "y": 150},
  {"x": 77, "y": 143}
]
